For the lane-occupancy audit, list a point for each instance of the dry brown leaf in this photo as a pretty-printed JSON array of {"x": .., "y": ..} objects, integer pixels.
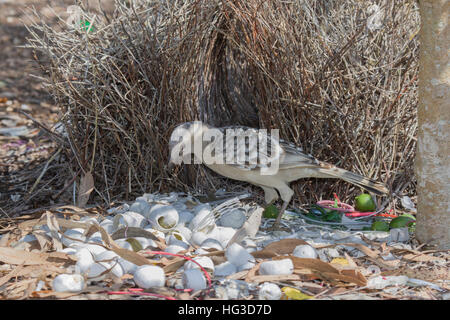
[
  {"x": 237, "y": 275},
  {"x": 174, "y": 265},
  {"x": 284, "y": 246},
  {"x": 129, "y": 255},
  {"x": 278, "y": 277},
  {"x": 263, "y": 254},
  {"x": 308, "y": 263},
  {"x": 42, "y": 239},
  {"x": 371, "y": 253},
  {"x": 14, "y": 273},
  {"x": 4, "y": 240},
  {"x": 130, "y": 232},
  {"x": 14, "y": 256},
  {"x": 85, "y": 189},
  {"x": 421, "y": 257},
  {"x": 53, "y": 225},
  {"x": 358, "y": 277},
  {"x": 252, "y": 272}
]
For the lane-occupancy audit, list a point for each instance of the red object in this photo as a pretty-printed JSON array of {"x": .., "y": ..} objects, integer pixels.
[{"x": 328, "y": 204}]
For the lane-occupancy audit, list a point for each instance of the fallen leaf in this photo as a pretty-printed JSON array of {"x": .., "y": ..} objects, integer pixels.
[
  {"x": 285, "y": 246},
  {"x": 10, "y": 275},
  {"x": 277, "y": 277},
  {"x": 308, "y": 263},
  {"x": 294, "y": 294}
]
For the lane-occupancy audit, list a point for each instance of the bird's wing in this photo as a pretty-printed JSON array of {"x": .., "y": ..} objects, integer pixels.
[
  {"x": 245, "y": 148},
  {"x": 294, "y": 157}
]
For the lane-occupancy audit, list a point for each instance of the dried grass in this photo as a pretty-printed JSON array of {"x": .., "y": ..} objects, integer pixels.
[{"x": 313, "y": 69}]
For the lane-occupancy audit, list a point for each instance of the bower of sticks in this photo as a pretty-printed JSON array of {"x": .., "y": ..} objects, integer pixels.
[{"x": 334, "y": 77}]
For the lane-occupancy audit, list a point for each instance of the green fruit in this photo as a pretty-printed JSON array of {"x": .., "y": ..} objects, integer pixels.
[
  {"x": 271, "y": 212},
  {"x": 365, "y": 203},
  {"x": 401, "y": 222},
  {"x": 380, "y": 226}
]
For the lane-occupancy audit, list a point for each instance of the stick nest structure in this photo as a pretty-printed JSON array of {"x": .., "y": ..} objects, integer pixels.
[{"x": 338, "y": 78}]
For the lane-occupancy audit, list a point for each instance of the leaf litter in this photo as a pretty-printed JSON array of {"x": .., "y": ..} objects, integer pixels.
[{"x": 38, "y": 247}]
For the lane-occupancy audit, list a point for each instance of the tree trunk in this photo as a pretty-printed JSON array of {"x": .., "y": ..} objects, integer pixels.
[{"x": 433, "y": 148}]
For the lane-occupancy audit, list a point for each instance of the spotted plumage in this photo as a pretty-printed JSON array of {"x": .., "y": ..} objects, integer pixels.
[{"x": 252, "y": 155}]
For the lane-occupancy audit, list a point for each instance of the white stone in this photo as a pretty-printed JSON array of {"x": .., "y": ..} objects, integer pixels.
[
  {"x": 147, "y": 276},
  {"x": 269, "y": 291},
  {"x": 237, "y": 255},
  {"x": 68, "y": 283},
  {"x": 225, "y": 269},
  {"x": 205, "y": 262},
  {"x": 305, "y": 251},
  {"x": 193, "y": 279},
  {"x": 276, "y": 267}
]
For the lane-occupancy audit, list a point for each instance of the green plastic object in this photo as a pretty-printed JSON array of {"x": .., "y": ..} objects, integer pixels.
[
  {"x": 380, "y": 226},
  {"x": 365, "y": 203},
  {"x": 270, "y": 212},
  {"x": 402, "y": 222}
]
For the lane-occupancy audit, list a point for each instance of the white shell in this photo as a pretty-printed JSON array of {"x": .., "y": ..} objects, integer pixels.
[
  {"x": 233, "y": 219},
  {"x": 68, "y": 283},
  {"x": 163, "y": 217},
  {"x": 198, "y": 237},
  {"x": 107, "y": 225},
  {"x": 127, "y": 266},
  {"x": 185, "y": 217},
  {"x": 225, "y": 269},
  {"x": 89, "y": 220},
  {"x": 237, "y": 255},
  {"x": 182, "y": 233},
  {"x": 156, "y": 233},
  {"x": 276, "y": 267},
  {"x": 68, "y": 250},
  {"x": 304, "y": 251},
  {"x": 106, "y": 256},
  {"x": 269, "y": 291},
  {"x": 75, "y": 234},
  {"x": 246, "y": 266},
  {"x": 96, "y": 237},
  {"x": 84, "y": 260},
  {"x": 141, "y": 206},
  {"x": 123, "y": 243},
  {"x": 205, "y": 262},
  {"x": 129, "y": 219},
  {"x": 193, "y": 279},
  {"x": 147, "y": 276},
  {"x": 174, "y": 248},
  {"x": 222, "y": 234},
  {"x": 171, "y": 240},
  {"x": 94, "y": 249},
  {"x": 211, "y": 243}
]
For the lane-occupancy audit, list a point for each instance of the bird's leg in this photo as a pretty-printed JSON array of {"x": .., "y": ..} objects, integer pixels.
[
  {"x": 276, "y": 225},
  {"x": 286, "y": 195}
]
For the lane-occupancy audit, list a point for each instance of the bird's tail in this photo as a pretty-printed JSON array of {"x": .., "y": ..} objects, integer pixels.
[{"x": 354, "y": 178}]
